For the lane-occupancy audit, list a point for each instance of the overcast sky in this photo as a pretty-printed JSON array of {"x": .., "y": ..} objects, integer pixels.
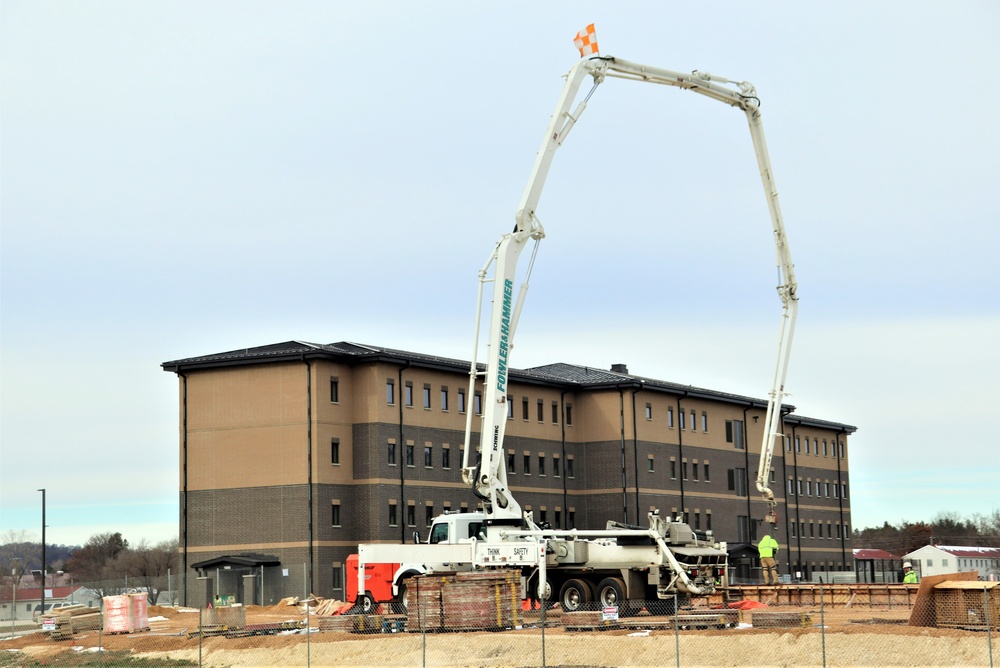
[{"x": 185, "y": 178}]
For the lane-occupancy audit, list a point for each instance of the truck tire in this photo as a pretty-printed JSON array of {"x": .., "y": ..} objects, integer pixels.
[
  {"x": 366, "y": 604},
  {"x": 611, "y": 592},
  {"x": 575, "y": 594}
]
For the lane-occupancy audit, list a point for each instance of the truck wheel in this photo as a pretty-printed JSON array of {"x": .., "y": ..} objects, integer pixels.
[
  {"x": 575, "y": 594},
  {"x": 611, "y": 592},
  {"x": 367, "y": 604}
]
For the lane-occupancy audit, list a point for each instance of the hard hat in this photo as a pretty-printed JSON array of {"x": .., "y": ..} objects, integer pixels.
[{"x": 907, "y": 565}]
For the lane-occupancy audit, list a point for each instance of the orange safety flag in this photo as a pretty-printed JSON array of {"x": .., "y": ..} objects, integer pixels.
[{"x": 586, "y": 41}]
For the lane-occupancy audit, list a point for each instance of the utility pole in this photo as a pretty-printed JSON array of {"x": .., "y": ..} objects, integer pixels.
[{"x": 43, "y": 553}]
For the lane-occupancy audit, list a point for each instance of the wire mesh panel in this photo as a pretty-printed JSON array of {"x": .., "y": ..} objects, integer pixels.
[{"x": 482, "y": 621}]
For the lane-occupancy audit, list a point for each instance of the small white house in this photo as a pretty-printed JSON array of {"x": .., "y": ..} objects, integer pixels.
[{"x": 941, "y": 559}]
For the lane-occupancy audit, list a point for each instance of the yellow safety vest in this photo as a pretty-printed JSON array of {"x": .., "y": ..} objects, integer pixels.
[{"x": 767, "y": 546}]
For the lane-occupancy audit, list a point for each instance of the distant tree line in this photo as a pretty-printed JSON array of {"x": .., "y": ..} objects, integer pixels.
[
  {"x": 106, "y": 564},
  {"x": 945, "y": 529}
]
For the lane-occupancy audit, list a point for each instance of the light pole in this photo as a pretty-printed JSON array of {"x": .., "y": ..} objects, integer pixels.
[{"x": 43, "y": 552}]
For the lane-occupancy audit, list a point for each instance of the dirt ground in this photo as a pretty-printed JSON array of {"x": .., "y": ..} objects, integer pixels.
[{"x": 852, "y": 637}]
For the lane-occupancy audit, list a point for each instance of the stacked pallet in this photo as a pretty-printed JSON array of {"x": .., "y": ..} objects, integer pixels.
[
  {"x": 765, "y": 619},
  {"x": 472, "y": 601},
  {"x": 72, "y": 619},
  {"x": 590, "y": 620}
]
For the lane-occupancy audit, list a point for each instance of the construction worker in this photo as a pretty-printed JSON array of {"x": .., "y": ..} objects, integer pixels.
[
  {"x": 909, "y": 575},
  {"x": 768, "y": 550}
]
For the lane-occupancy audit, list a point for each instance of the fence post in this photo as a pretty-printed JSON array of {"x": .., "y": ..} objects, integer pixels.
[
  {"x": 677, "y": 633},
  {"x": 308, "y": 634},
  {"x": 201, "y": 611},
  {"x": 822, "y": 622},
  {"x": 989, "y": 623}
]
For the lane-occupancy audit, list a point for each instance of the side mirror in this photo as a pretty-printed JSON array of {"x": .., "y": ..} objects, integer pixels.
[{"x": 416, "y": 536}]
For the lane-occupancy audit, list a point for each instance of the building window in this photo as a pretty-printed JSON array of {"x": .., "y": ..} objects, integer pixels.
[
  {"x": 807, "y": 446},
  {"x": 334, "y": 390},
  {"x": 541, "y": 411},
  {"x": 335, "y": 452},
  {"x": 843, "y": 490},
  {"x": 826, "y": 489},
  {"x": 555, "y": 412},
  {"x": 510, "y": 407},
  {"x": 694, "y": 422},
  {"x": 824, "y": 448},
  {"x": 337, "y": 581},
  {"x": 816, "y": 446},
  {"x": 445, "y": 457},
  {"x": 428, "y": 456},
  {"x": 791, "y": 487},
  {"x": 541, "y": 465},
  {"x": 527, "y": 465},
  {"x": 670, "y": 417},
  {"x": 694, "y": 470},
  {"x": 841, "y": 449},
  {"x": 427, "y": 397},
  {"x": 392, "y": 515},
  {"x": 510, "y": 462},
  {"x": 572, "y": 519},
  {"x": 743, "y": 528},
  {"x": 697, "y": 521},
  {"x": 444, "y": 398},
  {"x": 704, "y": 421},
  {"x": 428, "y": 515},
  {"x": 707, "y": 476},
  {"x": 788, "y": 443},
  {"x": 335, "y": 514},
  {"x": 409, "y": 455},
  {"x": 478, "y": 398},
  {"x": 411, "y": 515},
  {"x": 569, "y": 473},
  {"x": 461, "y": 401},
  {"x": 392, "y": 454},
  {"x": 812, "y": 530},
  {"x": 556, "y": 471},
  {"x": 649, "y": 411},
  {"x": 798, "y": 444},
  {"x": 809, "y": 488},
  {"x": 772, "y": 478},
  {"x": 649, "y": 464},
  {"x": 681, "y": 415},
  {"x": 798, "y": 487},
  {"x": 738, "y": 481},
  {"x": 794, "y": 535},
  {"x": 684, "y": 470},
  {"x": 390, "y": 391},
  {"x": 409, "y": 394},
  {"x": 836, "y": 491},
  {"x": 708, "y": 521},
  {"x": 673, "y": 469},
  {"x": 569, "y": 415},
  {"x": 558, "y": 519},
  {"x": 524, "y": 408},
  {"x": 829, "y": 530}
]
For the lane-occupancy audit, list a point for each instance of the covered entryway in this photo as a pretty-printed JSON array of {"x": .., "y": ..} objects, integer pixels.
[{"x": 240, "y": 578}]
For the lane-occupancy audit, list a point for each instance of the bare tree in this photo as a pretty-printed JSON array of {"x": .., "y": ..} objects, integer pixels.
[
  {"x": 148, "y": 566},
  {"x": 95, "y": 564}
]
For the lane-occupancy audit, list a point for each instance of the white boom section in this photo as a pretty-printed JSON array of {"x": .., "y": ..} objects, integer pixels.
[{"x": 489, "y": 478}]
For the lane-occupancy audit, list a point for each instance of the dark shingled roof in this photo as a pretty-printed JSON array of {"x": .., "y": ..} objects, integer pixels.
[
  {"x": 246, "y": 559},
  {"x": 560, "y": 374}
]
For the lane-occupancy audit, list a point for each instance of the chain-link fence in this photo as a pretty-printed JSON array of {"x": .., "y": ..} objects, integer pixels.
[{"x": 489, "y": 625}]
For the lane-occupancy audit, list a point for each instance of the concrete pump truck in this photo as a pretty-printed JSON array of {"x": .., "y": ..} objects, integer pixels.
[{"x": 620, "y": 565}]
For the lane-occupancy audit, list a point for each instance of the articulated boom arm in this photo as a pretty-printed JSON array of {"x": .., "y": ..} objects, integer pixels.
[{"x": 488, "y": 477}]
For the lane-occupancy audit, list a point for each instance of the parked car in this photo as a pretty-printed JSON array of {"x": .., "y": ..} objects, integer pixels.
[{"x": 38, "y": 613}]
